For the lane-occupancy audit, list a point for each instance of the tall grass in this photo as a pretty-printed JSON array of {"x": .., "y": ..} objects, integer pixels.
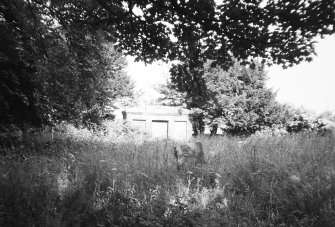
[{"x": 92, "y": 181}]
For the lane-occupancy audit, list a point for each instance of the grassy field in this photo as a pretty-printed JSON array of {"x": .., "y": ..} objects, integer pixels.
[{"x": 90, "y": 181}]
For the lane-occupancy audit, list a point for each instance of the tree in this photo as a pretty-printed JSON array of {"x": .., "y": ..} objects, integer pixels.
[
  {"x": 56, "y": 45},
  {"x": 51, "y": 72},
  {"x": 171, "y": 96},
  {"x": 236, "y": 99},
  {"x": 243, "y": 103},
  {"x": 279, "y": 31}
]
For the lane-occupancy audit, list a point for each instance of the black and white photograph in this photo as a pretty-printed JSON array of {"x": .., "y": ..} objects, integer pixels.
[{"x": 159, "y": 113}]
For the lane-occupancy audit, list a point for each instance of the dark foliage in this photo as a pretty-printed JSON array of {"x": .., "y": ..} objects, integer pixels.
[
  {"x": 53, "y": 71},
  {"x": 280, "y": 31}
]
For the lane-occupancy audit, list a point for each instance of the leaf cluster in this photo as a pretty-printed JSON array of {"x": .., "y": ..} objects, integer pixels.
[
  {"x": 280, "y": 31},
  {"x": 53, "y": 71}
]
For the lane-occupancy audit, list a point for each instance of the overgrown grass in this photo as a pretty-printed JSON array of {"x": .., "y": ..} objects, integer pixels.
[{"x": 259, "y": 181}]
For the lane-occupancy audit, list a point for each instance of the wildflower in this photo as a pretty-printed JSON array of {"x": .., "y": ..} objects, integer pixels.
[
  {"x": 225, "y": 202},
  {"x": 71, "y": 156},
  {"x": 143, "y": 174},
  {"x": 167, "y": 212},
  {"x": 295, "y": 178},
  {"x": 172, "y": 201}
]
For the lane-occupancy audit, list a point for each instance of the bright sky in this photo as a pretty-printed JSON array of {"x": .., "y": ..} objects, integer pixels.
[
  {"x": 309, "y": 85},
  {"x": 147, "y": 77}
]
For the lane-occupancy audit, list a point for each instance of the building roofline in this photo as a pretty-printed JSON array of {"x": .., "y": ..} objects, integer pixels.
[{"x": 158, "y": 110}]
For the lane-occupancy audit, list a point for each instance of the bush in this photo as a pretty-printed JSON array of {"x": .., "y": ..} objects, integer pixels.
[{"x": 302, "y": 121}]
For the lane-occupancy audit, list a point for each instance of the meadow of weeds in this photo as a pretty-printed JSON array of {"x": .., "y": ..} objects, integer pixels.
[{"x": 91, "y": 180}]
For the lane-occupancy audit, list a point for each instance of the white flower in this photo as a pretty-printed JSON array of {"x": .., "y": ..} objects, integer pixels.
[{"x": 295, "y": 178}]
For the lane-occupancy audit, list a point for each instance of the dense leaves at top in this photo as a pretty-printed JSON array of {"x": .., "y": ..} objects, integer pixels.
[
  {"x": 280, "y": 31},
  {"x": 51, "y": 72}
]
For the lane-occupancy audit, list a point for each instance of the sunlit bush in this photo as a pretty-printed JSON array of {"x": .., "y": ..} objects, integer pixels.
[{"x": 302, "y": 121}]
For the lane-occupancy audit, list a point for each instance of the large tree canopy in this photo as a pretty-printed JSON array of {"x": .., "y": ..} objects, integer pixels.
[
  {"x": 50, "y": 72},
  {"x": 279, "y": 31}
]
